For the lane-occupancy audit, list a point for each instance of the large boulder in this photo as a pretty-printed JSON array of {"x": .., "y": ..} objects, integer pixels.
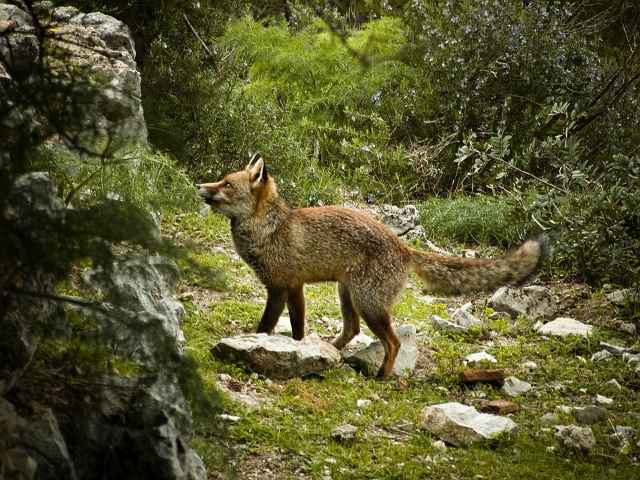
[
  {"x": 278, "y": 356},
  {"x": 144, "y": 286},
  {"x": 94, "y": 77}
]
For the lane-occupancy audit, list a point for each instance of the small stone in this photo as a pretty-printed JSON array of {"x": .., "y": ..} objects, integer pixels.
[
  {"x": 566, "y": 326},
  {"x": 589, "y": 415},
  {"x": 344, "y": 433},
  {"x": 363, "y": 403},
  {"x": 602, "y": 355},
  {"x": 625, "y": 432},
  {"x": 604, "y": 400},
  {"x": 465, "y": 319},
  {"x": 479, "y": 358},
  {"x": 460, "y": 424},
  {"x": 628, "y": 328},
  {"x": 631, "y": 357},
  {"x": 502, "y": 407},
  {"x": 229, "y": 418},
  {"x": 445, "y": 326},
  {"x": 614, "y": 349},
  {"x": 623, "y": 297},
  {"x": 577, "y": 438},
  {"x": 482, "y": 375},
  {"x": 533, "y": 302},
  {"x": 514, "y": 387},
  {"x": 406, "y": 426},
  {"x": 614, "y": 383},
  {"x": 549, "y": 419}
]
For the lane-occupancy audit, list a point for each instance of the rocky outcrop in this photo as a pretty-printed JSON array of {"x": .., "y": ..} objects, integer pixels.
[
  {"x": 93, "y": 77},
  {"x": 135, "y": 426}
]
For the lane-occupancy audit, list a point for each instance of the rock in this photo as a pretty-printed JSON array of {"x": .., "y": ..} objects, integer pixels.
[
  {"x": 44, "y": 441},
  {"x": 139, "y": 427},
  {"x": 482, "y": 375},
  {"x": 532, "y": 302},
  {"x": 566, "y": 326},
  {"x": 631, "y": 357},
  {"x": 613, "y": 349},
  {"x": 480, "y": 358},
  {"x": 344, "y": 433},
  {"x": 99, "y": 65},
  {"x": 576, "y": 438},
  {"x": 143, "y": 285},
  {"x": 400, "y": 220},
  {"x": 445, "y": 326},
  {"x": 628, "y": 328},
  {"x": 614, "y": 383},
  {"x": 277, "y": 356},
  {"x": 604, "y": 400},
  {"x": 498, "y": 407},
  {"x": 283, "y": 327},
  {"x": 514, "y": 387},
  {"x": 371, "y": 356},
  {"x": 16, "y": 461},
  {"x": 549, "y": 419},
  {"x": 625, "y": 432},
  {"x": 624, "y": 297},
  {"x": 17, "y": 349},
  {"x": 405, "y": 426},
  {"x": 589, "y": 415},
  {"x": 465, "y": 319},
  {"x": 459, "y": 424},
  {"x": 601, "y": 356},
  {"x": 361, "y": 339}
]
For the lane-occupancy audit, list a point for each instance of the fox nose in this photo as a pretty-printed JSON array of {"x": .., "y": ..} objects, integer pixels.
[{"x": 197, "y": 185}]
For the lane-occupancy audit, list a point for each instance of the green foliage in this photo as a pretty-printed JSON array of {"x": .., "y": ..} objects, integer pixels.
[
  {"x": 478, "y": 219},
  {"x": 140, "y": 175},
  {"x": 590, "y": 206}
]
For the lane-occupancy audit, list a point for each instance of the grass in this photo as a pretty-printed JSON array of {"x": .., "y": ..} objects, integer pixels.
[
  {"x": 286, "y": 432},
  {"x": 479, "y": 219}
]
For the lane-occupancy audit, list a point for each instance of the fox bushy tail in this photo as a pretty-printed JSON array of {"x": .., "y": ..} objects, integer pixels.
[{"x": 452, "y": 276}]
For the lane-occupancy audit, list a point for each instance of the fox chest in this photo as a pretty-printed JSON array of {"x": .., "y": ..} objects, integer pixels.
[{"x": 266, "y": 257}]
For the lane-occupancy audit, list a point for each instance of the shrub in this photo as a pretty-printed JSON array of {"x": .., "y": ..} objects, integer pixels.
[{"x": 590, "y": 208}]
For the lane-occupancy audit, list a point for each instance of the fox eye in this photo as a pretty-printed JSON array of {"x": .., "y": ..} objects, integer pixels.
[{"x": 227, "y": 185}]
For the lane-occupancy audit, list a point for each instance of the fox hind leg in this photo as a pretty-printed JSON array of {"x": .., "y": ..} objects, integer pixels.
[
  {"x": 379, "y": 322},
  {"x": 350, "y": 318}
]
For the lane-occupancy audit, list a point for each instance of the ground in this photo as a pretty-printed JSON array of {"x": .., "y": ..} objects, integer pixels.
[{"x": 281, "y": 429}]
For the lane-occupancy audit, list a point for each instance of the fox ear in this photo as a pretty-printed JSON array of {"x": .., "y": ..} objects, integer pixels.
[{"x": 257, "y": 169}]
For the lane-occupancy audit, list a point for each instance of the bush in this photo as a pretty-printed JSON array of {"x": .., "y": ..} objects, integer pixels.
[{"x": 590, "y": 208}]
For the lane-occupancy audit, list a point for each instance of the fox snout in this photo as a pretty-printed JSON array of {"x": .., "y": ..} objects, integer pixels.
[{"x": 208, "y": 192}]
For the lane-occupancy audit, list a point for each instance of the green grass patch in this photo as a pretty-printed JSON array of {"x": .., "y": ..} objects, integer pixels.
[{"x": 464, "y": 219}]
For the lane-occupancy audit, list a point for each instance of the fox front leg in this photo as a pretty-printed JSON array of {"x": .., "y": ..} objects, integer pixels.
[{"x": 276, "y": 298}]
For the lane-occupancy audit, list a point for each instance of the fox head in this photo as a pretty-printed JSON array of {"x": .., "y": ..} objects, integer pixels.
[{"x": 239, "y": 194}]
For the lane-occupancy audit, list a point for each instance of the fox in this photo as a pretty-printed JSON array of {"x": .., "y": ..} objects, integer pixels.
[{"x": 288, "y": 248}]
